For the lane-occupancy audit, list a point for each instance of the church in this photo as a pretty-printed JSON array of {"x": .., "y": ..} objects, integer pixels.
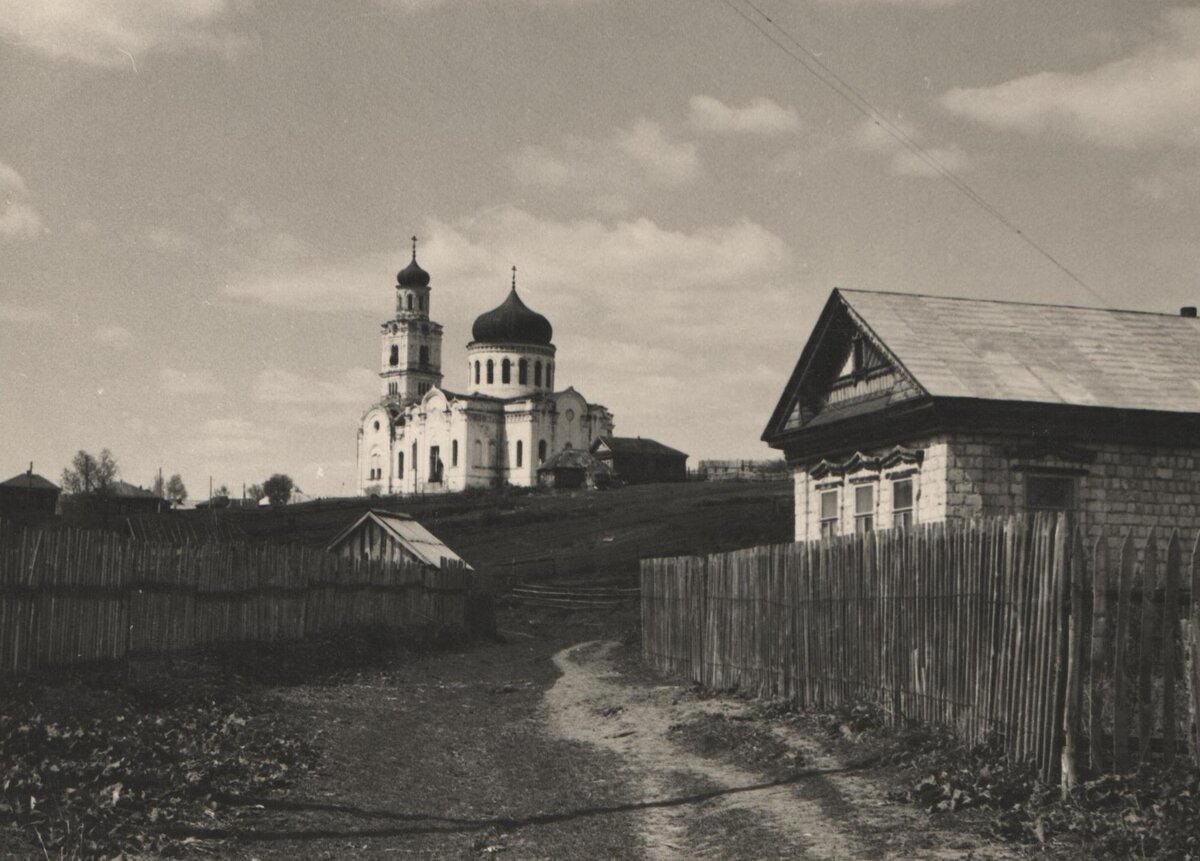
[{"x": 508, "y": 419}]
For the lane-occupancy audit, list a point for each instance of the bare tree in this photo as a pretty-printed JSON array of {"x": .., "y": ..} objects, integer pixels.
[{"x": 90, "y": 475}]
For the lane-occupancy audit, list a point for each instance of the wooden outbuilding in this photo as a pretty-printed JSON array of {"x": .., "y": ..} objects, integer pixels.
[
  {"x": 393, "y": 537},
  {"x": 635, "y": 460}
]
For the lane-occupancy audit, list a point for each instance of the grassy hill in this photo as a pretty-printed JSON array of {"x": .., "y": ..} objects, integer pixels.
[{"x": 540, "y": 534}]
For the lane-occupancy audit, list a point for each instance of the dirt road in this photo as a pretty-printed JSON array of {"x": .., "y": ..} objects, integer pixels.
[{"x": 556, "y": 745}]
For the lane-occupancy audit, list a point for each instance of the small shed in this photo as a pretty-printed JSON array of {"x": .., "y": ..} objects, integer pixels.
[
  {"x": 641, "y": 461},
  {"x": 574, "y": 468},
  {"x": 28, "y": 496},
  {"x": 392, "y": 536}
]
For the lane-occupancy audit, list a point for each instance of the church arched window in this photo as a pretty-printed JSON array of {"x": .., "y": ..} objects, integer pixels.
[
  {"x": 520, "y": 453},
  {"x": 421, "y": 302},
  {"x": 400, "y": 465},
  {"x": 476, "y": 373},
  {"x": 478, "y": 453},
  {"x": 537, "y": 372},
  {"x": 506, "y": 371},
  {"x": 410, "y": 301},
  {"x": 523, "y": 371},
  {"x": 549, "y": 376},
  {"x": 414, "y": 456},
  {"x": 454, "y": 453},
  {"x": 423, "y": 358},
  {"x": 395, "y": 357},
  {"x": 491, "y": 372},
  {"x": 541, "y": 451},
  {"x": 491, "y": 452}
]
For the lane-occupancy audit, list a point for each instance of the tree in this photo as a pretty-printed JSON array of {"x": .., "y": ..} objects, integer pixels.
[
  {"x": 255, "y": 492},
  {"x": 176, "y": 492},
  {"x": 278, "y": 488},
  {"x": 223, "y": 490},
  {"x": 90, "y": 475}
]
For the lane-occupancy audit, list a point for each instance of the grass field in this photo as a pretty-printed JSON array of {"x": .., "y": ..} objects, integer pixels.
[{"x": 541, "y": 534}]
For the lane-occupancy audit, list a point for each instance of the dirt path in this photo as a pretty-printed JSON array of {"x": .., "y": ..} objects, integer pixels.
[
  {"x": 824, "y": 811},
  {"x": 556, "y": 745}
]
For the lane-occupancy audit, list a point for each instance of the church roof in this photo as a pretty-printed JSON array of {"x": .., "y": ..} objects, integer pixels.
[
  {"x": 412, "y": 275},
  {"x": 512, "y": 322}
]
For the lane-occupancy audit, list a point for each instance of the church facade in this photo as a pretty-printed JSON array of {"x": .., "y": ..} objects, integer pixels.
[{"x": 506, "y": 421}]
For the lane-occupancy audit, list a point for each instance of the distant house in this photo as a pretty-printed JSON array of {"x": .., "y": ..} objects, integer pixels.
[
  {"x": 28, "y": 497},
  {"x": 905, "y": 409},
  {"x": 394, "y": 537},
  {"x": 574, "y": 468},
  {"x": 640, "y": 461},
  {"x": 110, "y": 508}
]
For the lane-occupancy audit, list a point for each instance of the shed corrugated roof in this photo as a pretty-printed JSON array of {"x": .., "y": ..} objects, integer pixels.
[
  {"x": 974, "y": 348},
  {"x": 29, "y": 480},
  {"x": 412, "y": 535}
]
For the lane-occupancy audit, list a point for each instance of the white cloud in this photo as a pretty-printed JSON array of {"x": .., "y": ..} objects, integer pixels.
[
  {"x": 759, "y": 116},
  {"x": 107, "y": 33},
  {"x": 115, "y": 336},
  {"x": 22, "y": 314},
  {"x": 870, "y": 136},
  {"x": 355, "y": 386},
  {"x": 201, "y": 382},
  {"x": 18, "y": 218},
  {"x": 613, "y": 169},
  {"x": 1151, "y": 97}
]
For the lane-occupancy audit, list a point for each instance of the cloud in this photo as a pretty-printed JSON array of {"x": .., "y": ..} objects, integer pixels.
[
  {"x": 18, "y": 218},
  {"x": 170, "y": 240},
  {"x": 613, "y": 169},
  {"x": 355, "y": 386},
  {"x": 223, "y": 437},
  {"x": 1151, "y": 97},
  {"x": 22, "y": 314},
  {"x": 106, "y": 33},
  {"x": 760, "y": 116},
  {"x": 201, "y": 382},
  {"x": 870, "y": 136},
  {"x": 115, "y": 336}
]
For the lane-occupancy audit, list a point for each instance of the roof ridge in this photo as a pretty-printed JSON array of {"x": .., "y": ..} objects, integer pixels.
[{"x": 851, "y": 290}]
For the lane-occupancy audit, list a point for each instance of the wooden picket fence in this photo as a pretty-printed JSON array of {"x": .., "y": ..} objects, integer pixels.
[
  {"x": 1009, "y": 629},
  {"x": 73, "y": 597}
]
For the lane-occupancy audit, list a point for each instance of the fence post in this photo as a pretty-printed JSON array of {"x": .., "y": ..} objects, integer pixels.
[
  {"x": 1194, "y": 632},
  {"x": 1074, "y": 681}
]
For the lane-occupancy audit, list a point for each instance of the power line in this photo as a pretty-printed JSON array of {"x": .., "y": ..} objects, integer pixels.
[{"x": 813, "y": 64}]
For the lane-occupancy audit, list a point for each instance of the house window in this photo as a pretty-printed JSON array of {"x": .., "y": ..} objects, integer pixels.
[
  {"x": 902, "y": 502},
  {"x": 864, "y": 509},
  {"x": 1049, "y": 493},
  {"x": 454, "y": 453},
  {"x": 520, "y": 452},
  {"x": 537, "y": 372},
  {"x": 477, "y": 373},
  {"x": 541, "y": 451},
  {"x": 829, "y": 513},
  {"x": 395, "y": 357},
  {"x": 491, "y": 372},
  {"x": 522, "y": 372},
  {"x": 400, "y": 465},
  {"x": 506, "y": 371}
]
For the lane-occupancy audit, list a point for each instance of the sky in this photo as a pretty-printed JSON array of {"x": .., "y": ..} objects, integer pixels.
[{"x": 203, "y": 203}]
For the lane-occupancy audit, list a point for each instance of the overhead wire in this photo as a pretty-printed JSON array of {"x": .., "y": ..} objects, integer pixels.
[{"x": 812, "y": 63}]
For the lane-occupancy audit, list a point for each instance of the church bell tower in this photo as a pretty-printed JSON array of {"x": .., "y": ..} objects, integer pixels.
[{"x": 412, "y": 344}]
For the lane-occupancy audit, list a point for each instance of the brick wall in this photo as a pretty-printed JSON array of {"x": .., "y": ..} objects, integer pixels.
[{"x": 973, "y": 475}]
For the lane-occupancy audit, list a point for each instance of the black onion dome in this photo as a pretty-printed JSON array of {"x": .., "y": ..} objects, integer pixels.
[
  {"x": 512, "y": 323},
  {"x": 412, "y": 275}
]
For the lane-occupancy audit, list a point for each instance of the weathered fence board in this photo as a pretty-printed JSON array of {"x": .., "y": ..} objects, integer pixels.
[
  {"x": 72, "y": 597},
  {"x": 1008, "y": 627}
]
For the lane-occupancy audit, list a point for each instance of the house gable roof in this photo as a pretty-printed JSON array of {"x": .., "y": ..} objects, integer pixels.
[
  {"x": 974, "y": 349},
  {"x": 634, "y": 445},
  {"x": 406, "y": 531}
]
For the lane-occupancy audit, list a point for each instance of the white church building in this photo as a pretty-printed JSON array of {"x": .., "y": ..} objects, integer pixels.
[{"x": 509, "y": 418}]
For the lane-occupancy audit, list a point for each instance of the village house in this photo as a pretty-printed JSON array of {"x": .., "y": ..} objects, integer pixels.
[
  {"x": 910, "y": 409},
  {"x": 28, "y": 497}
]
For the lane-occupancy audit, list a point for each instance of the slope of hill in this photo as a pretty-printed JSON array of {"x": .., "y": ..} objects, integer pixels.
[{"x": 556, "y": 534}]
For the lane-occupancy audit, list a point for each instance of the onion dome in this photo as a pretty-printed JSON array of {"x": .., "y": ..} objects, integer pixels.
[
  {"x": 412, "y": 275},
  {"x": 512, "y": 323}
]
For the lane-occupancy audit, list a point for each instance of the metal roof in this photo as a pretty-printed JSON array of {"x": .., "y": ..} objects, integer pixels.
[
  {"x": 414, "y": 537},
  {"x": 1054, "y": 354},
  {"x": 635, "y": 445}
]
